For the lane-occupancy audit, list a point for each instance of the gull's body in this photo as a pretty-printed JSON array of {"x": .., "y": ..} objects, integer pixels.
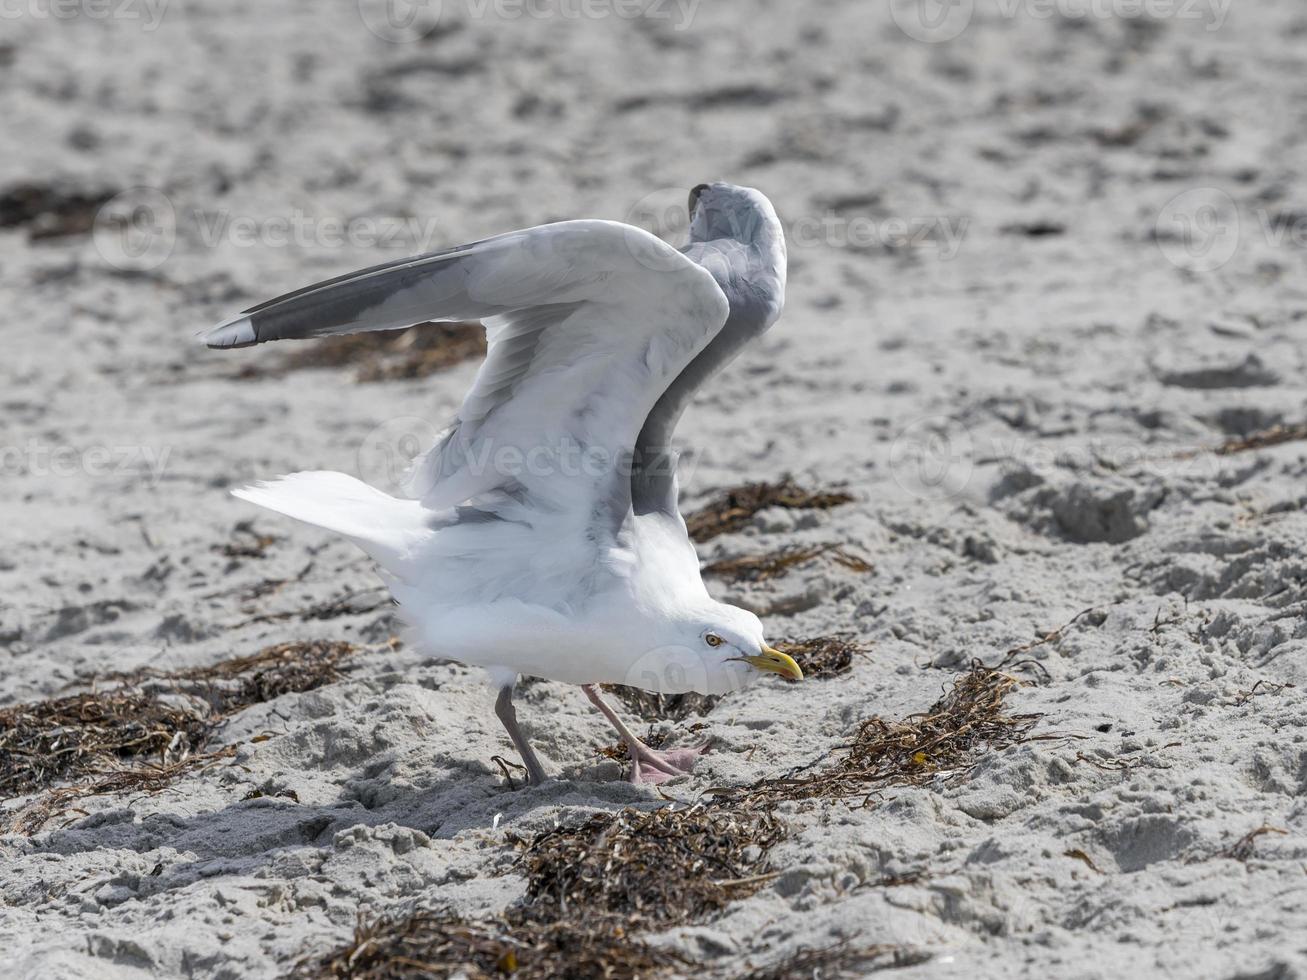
[{"x": 541, "y": 534}]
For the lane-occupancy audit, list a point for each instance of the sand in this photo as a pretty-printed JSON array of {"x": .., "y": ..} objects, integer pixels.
[{"x": 1039, "y": 272}]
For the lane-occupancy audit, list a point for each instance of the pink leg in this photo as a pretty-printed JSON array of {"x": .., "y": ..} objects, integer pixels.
[{"x": 647, "y": 765}]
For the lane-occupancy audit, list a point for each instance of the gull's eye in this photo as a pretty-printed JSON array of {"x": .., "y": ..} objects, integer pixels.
[{"x": 713, "y": 640}]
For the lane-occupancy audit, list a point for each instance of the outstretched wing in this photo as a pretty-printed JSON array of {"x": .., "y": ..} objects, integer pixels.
[
  {"x": 755, "y": 295},
  {"x": 588, "y": 322}
]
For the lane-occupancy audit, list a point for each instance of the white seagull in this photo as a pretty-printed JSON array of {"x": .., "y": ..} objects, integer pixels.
[{"x": 541, "y": 535}]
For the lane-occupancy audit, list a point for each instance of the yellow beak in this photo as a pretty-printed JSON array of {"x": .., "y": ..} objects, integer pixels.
[{"x": 775, "y": 662}]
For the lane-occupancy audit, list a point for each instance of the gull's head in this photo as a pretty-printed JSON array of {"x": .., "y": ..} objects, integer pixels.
[
  {"x": 731, "y": 639},
  {"x": 703, "y": 646},
  {"x": 720, "y": 210}
]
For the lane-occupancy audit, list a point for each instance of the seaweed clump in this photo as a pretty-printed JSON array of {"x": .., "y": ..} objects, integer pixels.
[
  {"x": 652, "y": 706},
  {"x": 824, "y": 656},
  {"x": 590, "y": 890},
  {"x": 439, "y": 944},
  {"x": 943, "y": 741},
  {"x": 732, "y": 509},
  {"x": 50, "y": 210},
  {"x": 107, "y": 741},
  {"x": 653, "y": 868},
  {"x": 286, "y": 668},
  {"x": 44, "y": 742}
]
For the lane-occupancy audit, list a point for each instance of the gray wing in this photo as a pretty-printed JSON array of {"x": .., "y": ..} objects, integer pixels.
[
  {"x": 587, "y": 323},
  {"x": 754, "y": 295}
]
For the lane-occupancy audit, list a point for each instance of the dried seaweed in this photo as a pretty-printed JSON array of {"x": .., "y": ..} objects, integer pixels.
[
  {"x": 62, "y": 738},
  {"x": 776, "y": 564},
  {"x": 652, "y": 706},
  {"x": 650, "y": 868},
  {"x": 732, "y": 509},
  {"x": 824, "y": 656},
  {"x": 146, "y": 779},
  {"x": 50, "y": 210},
  {"x": 1080, "y": 855},
  {"x": 435, "y": 944},
  {"x": 1277, "y": 435},
  {"x": 286, "y": 668},
  {"x": 383, "y": 355},
  {"x": 1258, "y": 689},
  {"x": 245, "y": 542},
  {"x": 590, "y": 890},
  {"x": 1245, "y": 846},
  {"x": 841, "y": 959},
  {"x": 945, "y": 740},
  {"x": 107, "y": 739}
]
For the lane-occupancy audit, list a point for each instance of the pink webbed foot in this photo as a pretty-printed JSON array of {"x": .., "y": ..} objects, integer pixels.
[{"x": 651, "y": 766}]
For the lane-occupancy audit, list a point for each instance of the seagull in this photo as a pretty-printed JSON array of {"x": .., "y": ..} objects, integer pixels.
[{"x": 540, "y": 535}]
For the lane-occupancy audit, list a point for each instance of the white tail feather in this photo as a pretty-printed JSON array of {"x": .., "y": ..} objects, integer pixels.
[{"x": 386, "y": 527}]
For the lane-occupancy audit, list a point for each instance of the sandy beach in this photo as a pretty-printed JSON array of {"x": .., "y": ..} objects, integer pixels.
[{"x": 1046, "y": 328}]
